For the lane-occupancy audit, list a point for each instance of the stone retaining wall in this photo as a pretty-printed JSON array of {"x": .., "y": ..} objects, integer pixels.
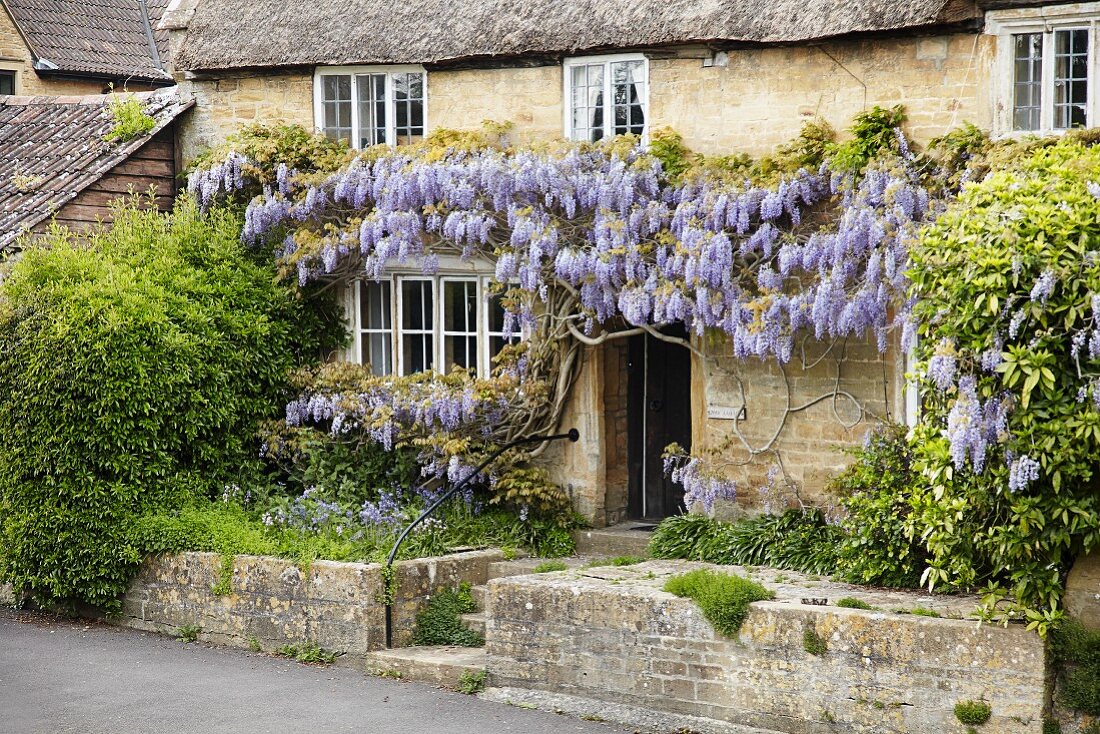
[
  {"x": 335, "y": 605},
  {"x": 614, "y": 635}
]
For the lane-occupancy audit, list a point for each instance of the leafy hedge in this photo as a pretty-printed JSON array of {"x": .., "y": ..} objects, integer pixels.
[
  {"x": 135, "y": 367},
  {"x": 1007, "y": 302},
  {"x": 797, "y": 540}
]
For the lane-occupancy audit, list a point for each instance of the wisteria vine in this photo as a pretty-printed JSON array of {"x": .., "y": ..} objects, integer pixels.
[{"x": 593, "y": 244}]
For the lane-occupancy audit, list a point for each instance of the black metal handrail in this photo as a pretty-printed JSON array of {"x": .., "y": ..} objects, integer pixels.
[{"x": 572, "y": 434}]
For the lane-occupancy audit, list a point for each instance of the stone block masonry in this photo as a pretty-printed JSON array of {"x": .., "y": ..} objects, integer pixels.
[
  {"x": 335, "y": 605},
  {"x": 612, "y": 634}
]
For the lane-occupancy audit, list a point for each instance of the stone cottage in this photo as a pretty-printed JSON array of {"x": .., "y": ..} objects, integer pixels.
[
  {"x": 77, "y": 48},
  {"x": 730, "y": 77}
]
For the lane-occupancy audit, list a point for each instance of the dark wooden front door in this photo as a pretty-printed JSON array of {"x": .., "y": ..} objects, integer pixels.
[{"x": 658, "y": 413}]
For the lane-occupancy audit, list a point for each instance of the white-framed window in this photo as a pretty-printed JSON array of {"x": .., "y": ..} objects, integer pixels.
[
  {"x": 606, "y": 96},
  {"x": 371, "y": 105},
  {"x": 408, "y": 323},
  {"x": 1047, "y": 68}
]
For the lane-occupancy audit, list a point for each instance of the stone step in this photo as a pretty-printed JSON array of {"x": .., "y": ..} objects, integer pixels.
[
  {"x": 524, "y": 566},
  {"x": 475, "y": 621},
  {"x": 480, "y": 593},
  {"x": 441, "y": 666},
  {"x": 624, "y": 539}
]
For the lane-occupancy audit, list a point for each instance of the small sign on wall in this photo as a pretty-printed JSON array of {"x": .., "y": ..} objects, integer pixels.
[{"x": 726, "y": 412}]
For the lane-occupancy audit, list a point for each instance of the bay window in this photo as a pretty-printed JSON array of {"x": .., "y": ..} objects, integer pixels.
[
  {"x": 371, "y": 105},
  {"x": 606, "y": 96},
  {"x": 434, "y": 323},
  {"x": 1047, "y": 68}
]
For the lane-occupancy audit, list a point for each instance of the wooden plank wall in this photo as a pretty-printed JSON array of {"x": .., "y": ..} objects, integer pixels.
[{"x": 151, "y": 165}]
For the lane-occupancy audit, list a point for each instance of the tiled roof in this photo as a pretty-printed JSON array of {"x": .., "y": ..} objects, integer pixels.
[
  {"x": 52, "y": 148},
  {"x": 103, "y": 38}
]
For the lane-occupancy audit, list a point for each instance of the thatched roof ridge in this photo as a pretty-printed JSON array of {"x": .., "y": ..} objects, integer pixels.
[{"x": 228, "y": 34}]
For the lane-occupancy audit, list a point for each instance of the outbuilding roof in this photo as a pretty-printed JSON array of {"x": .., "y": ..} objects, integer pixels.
[
  {"x": 52, "y": 148},
  {"x": 110, "y": 39},
  {"x": 229, "y": 34}
]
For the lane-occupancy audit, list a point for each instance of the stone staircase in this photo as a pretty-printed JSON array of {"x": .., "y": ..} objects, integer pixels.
[{"x": 445, "y": 665}]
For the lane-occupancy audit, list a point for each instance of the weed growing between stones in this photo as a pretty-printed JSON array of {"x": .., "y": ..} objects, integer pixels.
[
  {"x": 813, "y": 643},
  {"x": 852, "y": 603},
  {"x": 440, "y": 622},
  {"x": 973, "y": 713},
  {"x": 550, "y": 567},
  {"x": 924, "y": 612},
  {"x": 254, "y": 644},
  {"x": 472, "y": 682},
  {"x": 724, "y": 598},
  {"x": 308, "y": 653},
  {"x": 188, "y": 633}
]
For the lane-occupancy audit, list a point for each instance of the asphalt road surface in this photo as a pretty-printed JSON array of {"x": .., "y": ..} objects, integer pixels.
[{"x": 78, "y": 677}]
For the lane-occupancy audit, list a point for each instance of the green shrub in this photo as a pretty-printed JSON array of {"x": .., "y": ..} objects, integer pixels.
[
  {"x": 875, "y": 492},
  {"x": 135, "y": 367},
  {"x": 872, "y": 132},
  {"x": 973, "y": 713},
  {"x": 797, "y": 540},
  {"x": 851, "y": 603},
  {"x": 549, "y": 567},
  {"x": 813, "y": 643},
  {"x": 440, "y": 622},
  {"x": 1006, "y": 278},
  {"x": 724, "y": 598},
  {"x": 269, "y": 146},
  {"x": 1051, "y": 726}
]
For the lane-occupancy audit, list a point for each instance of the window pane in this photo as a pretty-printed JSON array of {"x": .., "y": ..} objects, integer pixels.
[
  {"x": 1071, "y": 49},
  {"x": 408, "y": 90},
  {"x": 1027, "y": 81},
  {"x": 460, "y": 324},
  {"x": 417, "y": 305},
  {"x": 418, "y": 352},
  {"x": 336, "y": 98},
  {"x": 460, "y": 305},
  {"x": 497, "y": 338},
  {"x": 371, "y": 89},
  {"x": 628, "y": 95},
  {"x": 417, "y": 322},
  {"x": 7, "y": 82},
  {"x": 374, "y": 321}
]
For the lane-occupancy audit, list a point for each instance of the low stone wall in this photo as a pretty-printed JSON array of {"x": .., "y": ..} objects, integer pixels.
[
  {"x": 335, "y": 605},
  {"x": 614, "y": 635}
]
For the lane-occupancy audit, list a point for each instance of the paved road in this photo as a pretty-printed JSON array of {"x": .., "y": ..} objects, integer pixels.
[{"x": 65, "y": 677}]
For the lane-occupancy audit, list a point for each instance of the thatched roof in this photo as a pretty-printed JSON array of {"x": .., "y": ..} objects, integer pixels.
[
  {"x": 228, "y": 34},
  {"x": 103, "y": 39},
  {"x": 52, "y": 148}
]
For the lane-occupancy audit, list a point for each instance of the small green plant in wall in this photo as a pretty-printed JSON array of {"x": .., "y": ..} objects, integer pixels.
[
  {"x": 550, "y": 567},
  {"x": 813, "y": 643},
  {"x": 188, "y": 633},
  {"x": 849, "y": 602},
  {"x": 724, "y": 598},
  {"x": 308, "y": 653},
  {"x": 440, "y": 622},
  {"x": 472, "y": 682},
  {"x": 973, "y": 713},
  {"x": 130, "y": 119}
]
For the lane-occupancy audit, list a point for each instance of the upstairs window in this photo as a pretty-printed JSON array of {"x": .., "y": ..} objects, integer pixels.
[
  {"x": 7, "y": 82},
  {"x": 433, "y": 323},
  {"x": 1048, "y": 69},
  {"x": 606, "y": 96},
  {"x": 371, "y": 105}
]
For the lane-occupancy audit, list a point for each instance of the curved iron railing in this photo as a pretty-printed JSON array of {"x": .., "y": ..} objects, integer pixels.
[{"x": 572, "y": 434}]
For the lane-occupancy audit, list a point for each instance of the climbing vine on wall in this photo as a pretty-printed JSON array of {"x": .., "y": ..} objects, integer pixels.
[{"x": 591, "y": 243}]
